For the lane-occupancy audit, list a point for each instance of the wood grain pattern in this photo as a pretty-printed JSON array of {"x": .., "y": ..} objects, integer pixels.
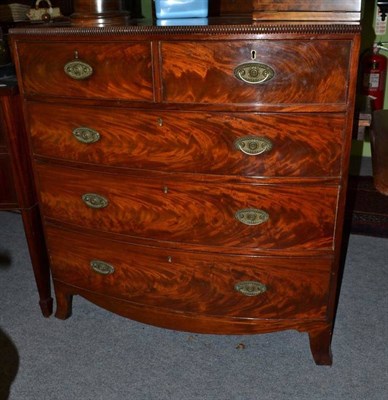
[
  {"x": 16, "y": 146},
  {"x": 307, "y": 5},
  {"x": 3, "y": 146},
  {"x": 194, "y": 283},
  {"x": 198, "y": 213},
  {"x": 230, "y": 7},
  {"x": 332, "y": 17},
  {"x": 306, "y": 71},
  {"x": 304, "y": 145},
  {"x": 17, "y": 188},
  {"x": 174, "y": 182},
  {"x": 122, "y": 71},
  {"x": 305, "y": 10},
  {"x": 8, "y": 197},
  {"x": 183, "y": 321}
]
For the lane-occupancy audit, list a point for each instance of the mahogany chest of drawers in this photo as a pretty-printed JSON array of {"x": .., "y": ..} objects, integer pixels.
[{"x": 194, "y": 178}]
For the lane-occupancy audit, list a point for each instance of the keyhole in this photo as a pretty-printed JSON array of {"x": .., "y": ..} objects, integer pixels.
[
  {"x": 160, "y": 121},
  {"x": 165, "y": 189},
  {"x": 253, "y": 54},
  {"x": 75, "y": 54},
  {"x": 169, "y": 259}
]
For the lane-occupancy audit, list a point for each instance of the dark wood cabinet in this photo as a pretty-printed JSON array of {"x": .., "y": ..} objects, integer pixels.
[
  {"x": 194, "y": 178},
  {"x": 8, "y": 197},
  {"x": 17, "y": 188}
]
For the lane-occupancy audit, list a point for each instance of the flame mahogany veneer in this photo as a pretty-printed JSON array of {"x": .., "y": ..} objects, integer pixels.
[{"x": 171, "y": 238}]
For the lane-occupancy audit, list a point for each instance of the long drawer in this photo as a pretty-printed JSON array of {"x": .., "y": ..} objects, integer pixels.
[
  {"x": 271, "y": 145},
  {"x": 99, "y": 70},
  {"x": 196, "y": 283},
  {"x": 172, "y": 208},
  {"x": 263, "y": 72}
]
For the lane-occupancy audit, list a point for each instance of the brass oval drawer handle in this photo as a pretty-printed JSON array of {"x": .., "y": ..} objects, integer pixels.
[
  {"x": 77, "y": 69},
  {"x": 101, "y": 267},
  {"x": 250, "y": 288},
  {"x": 86, "y": 135},
  {"x": 251, "y": 216},
  {"x": 94, "y": 200},
  {"x": 253, "y": 145},
  {"x": 254, "y": 73}
]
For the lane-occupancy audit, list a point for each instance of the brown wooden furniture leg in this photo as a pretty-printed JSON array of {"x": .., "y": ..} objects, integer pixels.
[
  {"x": 39, "y": 259},
  {"x": 64, "y": 301},
  {"x": 14, "y": 140},
  {"x": 320, "y": 345}
]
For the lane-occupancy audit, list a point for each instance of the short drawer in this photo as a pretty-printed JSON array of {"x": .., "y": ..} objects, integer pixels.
[
  {"x": 98, "y": 70},
  {"x": 270, "y": 145},
  {"x": 195, "y": 283},
  {"x": 173, "y": 209},
  {"x": 288, "y": 71}
]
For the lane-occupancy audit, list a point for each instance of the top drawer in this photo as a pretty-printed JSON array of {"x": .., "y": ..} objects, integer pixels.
[
  {"x": 117, "y": 70},
  {"x": 290, "y": 71}
]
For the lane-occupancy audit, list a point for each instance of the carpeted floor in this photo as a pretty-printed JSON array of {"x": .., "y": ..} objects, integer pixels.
[
  {"x": 96, "y": 355},
  {"x": 367, "y": 209}
]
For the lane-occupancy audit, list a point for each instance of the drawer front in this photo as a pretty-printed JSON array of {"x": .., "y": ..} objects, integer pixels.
[
  {"x": 232, "y": 144},
  {"x": 175, "y": 209},
  {"x": 119, "y": 70},
  {"x": 304, "y": 71},
  {"x": 196, "y": 283}
]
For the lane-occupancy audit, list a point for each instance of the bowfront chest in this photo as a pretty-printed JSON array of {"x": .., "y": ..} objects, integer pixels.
[{"x": 194, "y": 178}]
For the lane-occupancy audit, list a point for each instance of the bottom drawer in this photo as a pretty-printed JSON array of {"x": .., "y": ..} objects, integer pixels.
[{"x": 192, "y": 283}]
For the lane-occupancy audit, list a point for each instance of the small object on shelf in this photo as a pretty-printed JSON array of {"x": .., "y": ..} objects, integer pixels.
[
  {"x": 13, "y": 12},
  {"x": 45, "y": 14},
  {"x": 99, "y": 13},
  {"x": 383, "y": 6},
  {"x": 166, "y": 9}
]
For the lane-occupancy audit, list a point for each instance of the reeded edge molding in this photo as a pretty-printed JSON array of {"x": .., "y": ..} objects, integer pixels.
[{"x": 184, "y": 30}]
